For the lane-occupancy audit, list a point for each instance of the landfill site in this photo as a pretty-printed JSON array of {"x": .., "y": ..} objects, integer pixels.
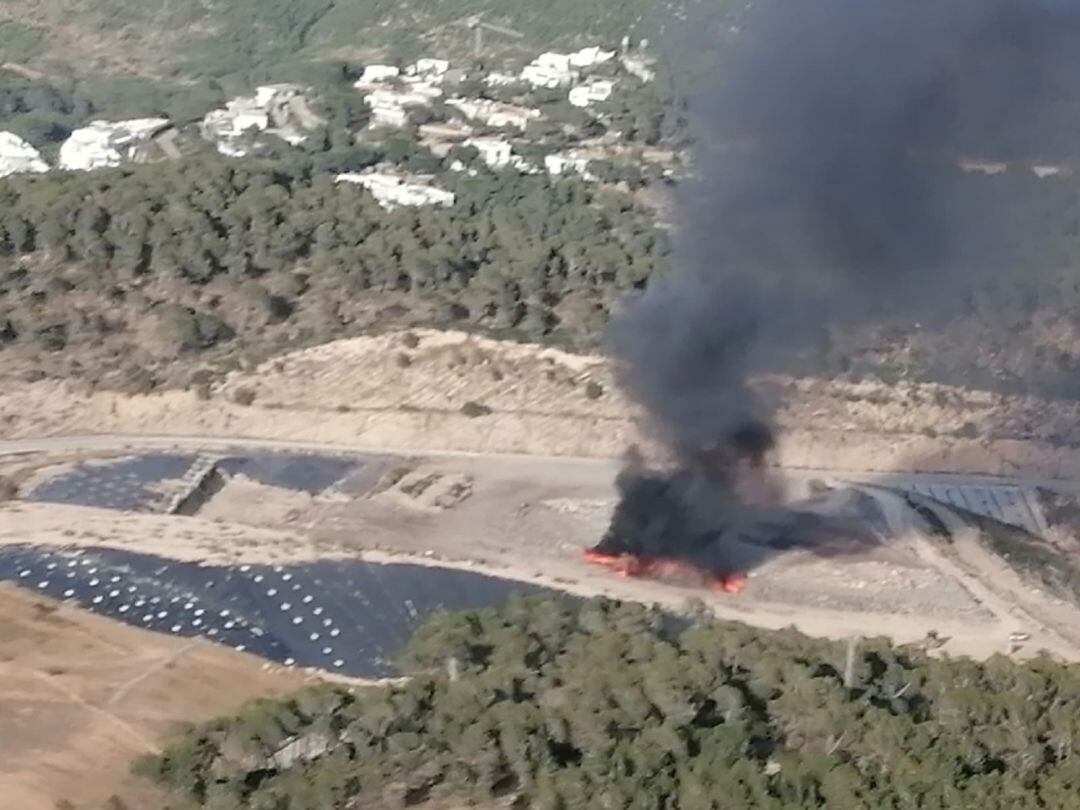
[
  {"x": 216, "y": 528},
  {"x": 290, "y": 539}
]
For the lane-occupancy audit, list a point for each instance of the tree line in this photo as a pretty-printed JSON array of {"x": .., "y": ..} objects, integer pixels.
[{"x": 552, "y": 704}]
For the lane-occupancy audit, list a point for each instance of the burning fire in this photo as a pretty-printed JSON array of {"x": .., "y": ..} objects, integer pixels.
[{"x": 668, "y": 570}]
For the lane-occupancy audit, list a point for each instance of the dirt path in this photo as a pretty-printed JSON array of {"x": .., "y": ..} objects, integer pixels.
[
  {"x": 152, "y": 669},
  {"x": 1036, "y": 611}
]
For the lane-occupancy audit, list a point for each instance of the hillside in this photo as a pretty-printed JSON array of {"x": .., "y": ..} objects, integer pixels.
[
  {"x": 63, "y": 65},
  {"x": 180, "y": 40},
  {"x": 169, "y": 275}
]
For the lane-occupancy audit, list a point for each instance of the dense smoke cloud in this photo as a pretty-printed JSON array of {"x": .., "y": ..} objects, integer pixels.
[
  {"x": 826, "y": 191},
  {"x": 818, "y": 192}
]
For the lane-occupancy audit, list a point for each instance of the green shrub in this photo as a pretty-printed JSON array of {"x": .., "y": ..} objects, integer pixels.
[
  {"x": 244, "y": 396},
  {"x": 475, "y": 409}
]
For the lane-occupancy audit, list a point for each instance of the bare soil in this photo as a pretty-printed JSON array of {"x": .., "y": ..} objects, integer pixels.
[
  {"x": 359, "y": 392},
  {"x": 82, "y": 696}
]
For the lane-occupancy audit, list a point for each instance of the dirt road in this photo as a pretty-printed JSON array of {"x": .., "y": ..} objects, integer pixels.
[{"x": 594, "y": 468}]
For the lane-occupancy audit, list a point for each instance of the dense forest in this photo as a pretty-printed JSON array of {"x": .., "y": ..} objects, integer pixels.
[
  {"x": 211, "y": 248},
  {"x": 223, "y": 254},
  {"x": 218, "y": 256},
  {"x": 598, "y": 704}
]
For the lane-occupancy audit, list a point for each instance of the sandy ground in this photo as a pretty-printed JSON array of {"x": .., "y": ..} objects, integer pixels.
[
  {"x": 408, "y": 390},
  {"x": 184, "y": 539},
  {"x": 263, "y": 505},
  {"x": 82, "y": 696}
]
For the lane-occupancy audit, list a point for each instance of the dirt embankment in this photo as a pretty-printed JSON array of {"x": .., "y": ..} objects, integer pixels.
[{"x": 427, "y": 389}]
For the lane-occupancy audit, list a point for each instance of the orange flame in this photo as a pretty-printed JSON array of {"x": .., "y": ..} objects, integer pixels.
[{"x": 630, "y": 565}]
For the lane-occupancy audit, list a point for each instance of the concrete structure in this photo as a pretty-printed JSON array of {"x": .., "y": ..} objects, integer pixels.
[
  {"x": 419, "y": 86},
  {"x": 392, "y": 190},
  {"x": 386, "y": 111},
  {"x": 591, "y": 92},
  {"x": 590, "y": 57},
  {"x": 428, "y": 68},
  {"x": 452, "y": 131},
  {"x": 277, "y": 109},
  {"x": 377, "y": 74},
  {"x": 494, "y": 113},
  {"x": 550, "y": 70},
  {"x": 554, "y": 61},
  {"x": 440, "y": 137},
  {"x": 18, "y": 157},
  {"x": 639, "y": 65},
  {"x": 495, "y": 152},
  {"x": 572, "y": 162},
  {"x": 103, "y": 143},
  {"x": 982, "y": 166},
  {"x": 500, "y": 79},
  {"x": 389, "y": 105}
]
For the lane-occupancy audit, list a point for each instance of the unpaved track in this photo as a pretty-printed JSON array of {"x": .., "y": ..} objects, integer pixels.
[{"x": 588, "y": 465}]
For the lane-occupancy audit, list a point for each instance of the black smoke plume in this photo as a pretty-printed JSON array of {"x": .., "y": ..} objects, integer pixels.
[{"x": 825, "y": 191}]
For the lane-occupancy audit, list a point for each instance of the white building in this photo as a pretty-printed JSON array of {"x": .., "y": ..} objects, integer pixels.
[
  {"x": 549, "y": 70},
  {"x": 559, "y": 163},
  {"x": 982, "y": 166},
  {"x": 552, "y": 69},
  {"x": 553, "y": 60},
  {"x": 1044, "y": 171},
  {"x": 494, "y": 113},
  {"x": 377, "y": 74},
  {"x": 103, "y": 143},
  {"x": 590, "y": 57},
  {"x": 278, "y": 109},
  {"x": 227, "y": 127},
  {"x": 500, "y": 79},
  {"x": 440, "y": 137},
  {"x": 392, "y": 190},
  {"x": 591, "y": 92},
  {"x": 640, "y": 66},
  {"x": 495, "y": 152},
  {"x": 428, "y": 68},
  {"x": 421, "y": 87},
  {"x": 386, "y": 112},
  {"x": 389, "y": 105},
  {"x": 17, "y": 156}
]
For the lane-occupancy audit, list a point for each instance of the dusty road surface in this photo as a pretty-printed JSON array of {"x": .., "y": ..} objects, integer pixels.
[{"x": 82, "y": 696}]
